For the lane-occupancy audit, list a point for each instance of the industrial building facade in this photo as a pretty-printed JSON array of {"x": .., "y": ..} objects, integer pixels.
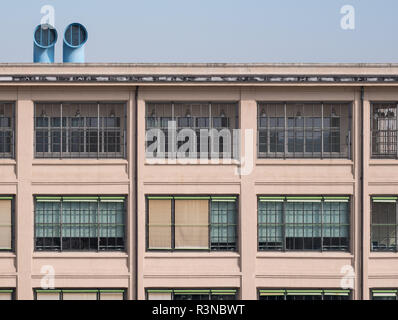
[{"x": 288, "y": 190}]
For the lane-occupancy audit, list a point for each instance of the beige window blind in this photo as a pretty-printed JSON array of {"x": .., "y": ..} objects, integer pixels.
[
  {"x": 5, "y": 224},
  {"x": 5, "y": 295},
  {"x": 80, "y": 296},
  {"x": 191, "y": 224},
  {"x": 111, "y": 296},
  {"x": 159, "y": 295},
  {"x": 48, "y": 296},
  {"x": 160, "y": 224}
]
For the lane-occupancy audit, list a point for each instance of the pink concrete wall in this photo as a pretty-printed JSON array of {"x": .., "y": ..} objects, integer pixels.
[{"x": 247, "y": 269}]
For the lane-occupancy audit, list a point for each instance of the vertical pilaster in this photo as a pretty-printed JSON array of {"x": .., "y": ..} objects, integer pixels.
[
  {"x": 248, "y": 199},
  {"x": 24, "y": 199},
  {"x": 141, "y": 197},
  {"x": 131, "y": 217},
  {"x": 366, "y": 197}
]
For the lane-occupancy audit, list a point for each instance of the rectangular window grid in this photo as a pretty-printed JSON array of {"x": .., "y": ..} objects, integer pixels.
[
  {"x": 303, "y": 223},
  {"x": 80, "y": 294},
  {"x": 301, "y": 294},
  {"x": 200, "y": 117},
  {"x": 384, "y": 224},
  {"x": 80, "y": 130},
  {"x": 192, "y": 294},
  {"x": 304, "y": 130},
  {"x": 7, "y": 232},
  {"x": 7, "y": 294},
  {"x": 384, "y": 128},
  {"x": 7, "y": 130},
  {"x": 384, "y": 294},
  {"x": 80, "y": 223},
  {"x": 213, "y": 227}
]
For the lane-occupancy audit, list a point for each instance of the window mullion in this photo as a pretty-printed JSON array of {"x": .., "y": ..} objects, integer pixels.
[
  {"x": 60, "y": 221},
  {"x": 396, "y": 225},
  {"x": 210, "y": 139},
  {"x": 286, "y": 133},
  {"x": 284, "y": 224},
  {"x": 396, "y": 128},
  {"x": 61, "y": 135},
  {"x": 322, "y": 146},
  {"x": 98, "y": 130},
  {"x": 209, "y": 226},
  {"x": 98, "y": 225},
  {"x": 173, "y": 224},
  {"x": 322, "y": 202}
]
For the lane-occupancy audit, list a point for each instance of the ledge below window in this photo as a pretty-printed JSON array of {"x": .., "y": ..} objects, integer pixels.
[
  {"x": 320, "y": 162},
  {"x": 79, "y": 162},
  {"x": 80, "y": 255}
]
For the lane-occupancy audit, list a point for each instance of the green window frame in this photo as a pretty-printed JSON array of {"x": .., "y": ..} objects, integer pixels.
[
  {"x": 218, "y": 231},
  {"x": 80, "y": 223},
  {"x": 384, "y": 294},
  {"x": 7, "y": 223},
  {"x": 304, "y": 294},
  {"x": 192, "y": 294},
  {"x": 303, "y": 223},
  {"x": 99, "y": 294},
  {"x": 384, "y": 223}
]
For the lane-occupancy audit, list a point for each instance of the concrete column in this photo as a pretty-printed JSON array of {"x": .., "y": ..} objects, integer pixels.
[
  {"x": 356, "y": 205},
  {"x": 131, "y": 214},
  {"x": 141, "y": 198},
  {"x": 366, "y": 196},
  {"x": 24, "y": 200},
  {"x": 248, "y": 199}
]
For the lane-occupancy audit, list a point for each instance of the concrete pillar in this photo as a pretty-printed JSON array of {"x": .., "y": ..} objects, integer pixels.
[
  {"x": 24, "y": 200},
  {"x": 248, "y": 201}
]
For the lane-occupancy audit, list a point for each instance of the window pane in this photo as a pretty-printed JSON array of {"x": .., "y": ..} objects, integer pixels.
[
  {"x": 5, "y": 225},
  {"x": 159, "y": 295},
  {"x": 270, "y": 225},
  {"x": 80, "y": 296},
  {"x": 303, "y": 225},
  {"x": 293, "y": 224},
  {"x": 335, "y": 225},
  {"x": 86, "y": 133},
  {"x": 48, "y": 296},
  {"x": 159, "y": 224},
  {"x": 383, "y": 231},
  {"x": 111, "y": 296},
  {"x": 223, "y": 222},
  {"x": 47, "y": 217},
  {"x": 5, "y": 295},
  {"x": 191, "y": 224},
  {"x": 87, "y": 224}
]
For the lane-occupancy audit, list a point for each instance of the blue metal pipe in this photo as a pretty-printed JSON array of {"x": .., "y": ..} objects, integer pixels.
[
  {"x": 75, "y": 37},
  {"x": 44, "y": 40}
]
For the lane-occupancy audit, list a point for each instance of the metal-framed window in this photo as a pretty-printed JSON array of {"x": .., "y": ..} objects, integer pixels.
[
  {"x": 384, "y": 223},
  {"x": 212, "y": 125},
  {"x": 80, "y": 294},
  {"x": 7, "y": 223},
  {"x": 7, "y": 130},
  {"x": 303, "y": 294},
  {"x": 303, "y": 223},
  {"x": 191, "y": 294},
  {"x": 7, "y": 294},
  {"x": 80, "y": 223},
  {"x": 384, "y": 294},
  {"x": 191, "y": 223},
  {"x": 80, "y": 130},
  {"x": 384, "y": 128},
  {"x": 304, "y": 130}
]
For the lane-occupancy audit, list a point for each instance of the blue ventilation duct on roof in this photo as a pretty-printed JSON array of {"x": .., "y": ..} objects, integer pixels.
[
  {"x": 74, "y": 39},
  {"x": 44, "y": 39}
]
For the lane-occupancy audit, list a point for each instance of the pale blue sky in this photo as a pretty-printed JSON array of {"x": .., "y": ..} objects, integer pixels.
[{"x": 209, "y": 30}]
